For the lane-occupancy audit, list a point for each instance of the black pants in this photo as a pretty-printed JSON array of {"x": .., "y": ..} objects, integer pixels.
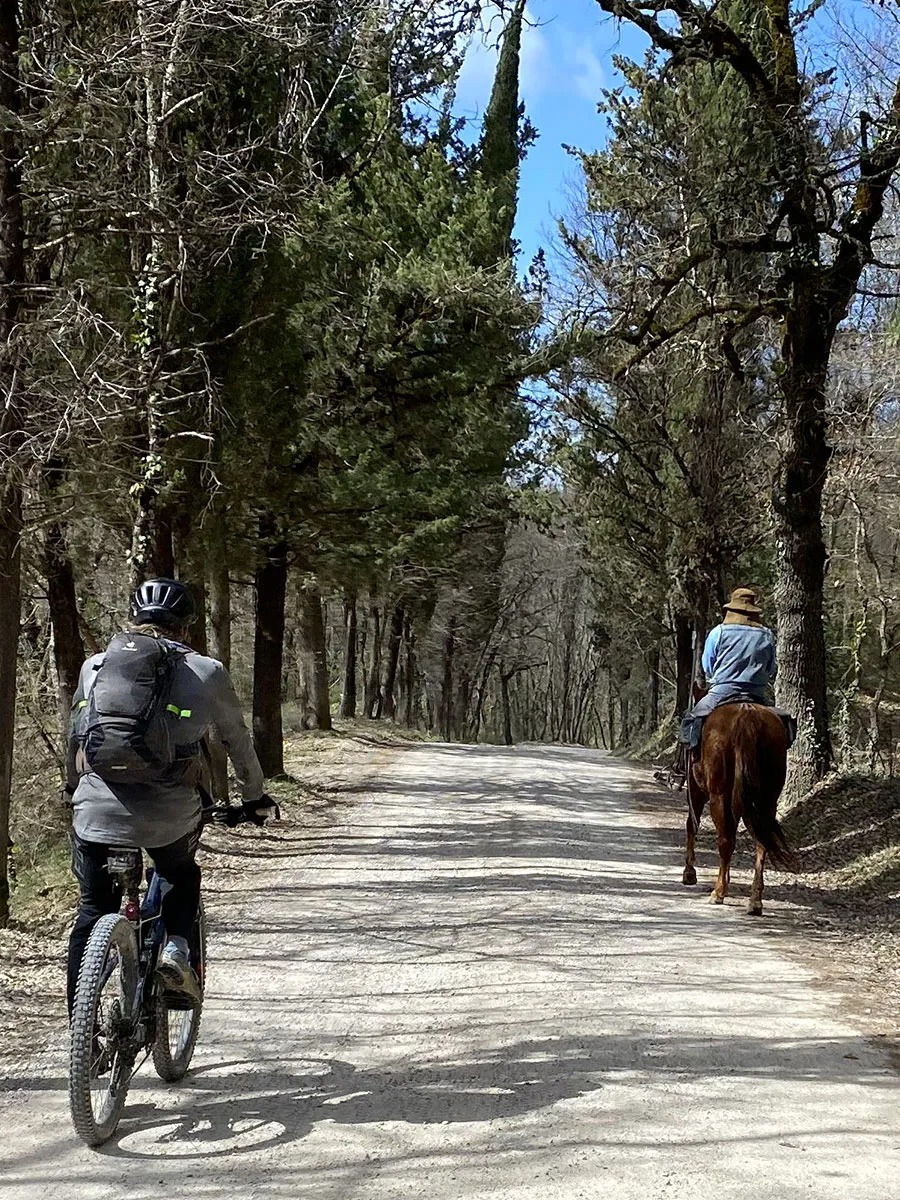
[{"x": 101, "y": 894}]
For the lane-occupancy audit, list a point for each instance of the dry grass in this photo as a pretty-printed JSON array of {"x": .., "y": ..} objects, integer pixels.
[{"x": 847, "y": 831}]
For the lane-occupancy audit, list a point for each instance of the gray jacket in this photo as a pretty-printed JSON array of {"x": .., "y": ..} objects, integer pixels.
[{"x": 157, "y": 814}]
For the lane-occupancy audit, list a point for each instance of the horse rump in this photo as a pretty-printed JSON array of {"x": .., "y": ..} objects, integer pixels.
[{"x": 760, "y": 755}]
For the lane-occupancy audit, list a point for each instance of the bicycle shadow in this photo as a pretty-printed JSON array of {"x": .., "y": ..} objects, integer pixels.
[{"x": 242, "y": 1106}]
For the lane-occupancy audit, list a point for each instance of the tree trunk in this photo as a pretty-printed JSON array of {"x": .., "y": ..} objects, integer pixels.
[
  {"x": 10, "y": 606},
  {"x": 445, "y": 716},
  {"x": 611, "y": 709},
  {"x": 152, "y": 552},
  {"x": 189, "y": 553},
  {"x": 461, "y": 708},
  {"x": 372, "y": 695},
  {"x": 219, "y": 585},
  {"x": 653, "y": 707},
  {"x": 192, "y": 555},
  {"x": 802, "y": 559},
  {"x": 68, "y": 648},
  {"x": 684, "y": 661},
  {"x": 624, "y": 713},
  {"x": 348, "y": 695},
  {"x": 409, "y": 638},
  {"x": 507, "y": 716},
  {"x": 395, "y": 638},
  {"x": 12, "y": 277},
  {"x": 315, "y": 658},
  {"x": 268, "y": 652}
]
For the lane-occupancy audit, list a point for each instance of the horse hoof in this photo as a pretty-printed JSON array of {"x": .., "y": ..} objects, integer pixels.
[
  {"x": 689, "y": 876},
  {"x": 754, "y": 910},
  {"x": 715, "y": 898}
]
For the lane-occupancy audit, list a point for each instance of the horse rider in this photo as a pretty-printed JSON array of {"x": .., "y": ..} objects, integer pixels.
[{"x": 738, "y": 662}]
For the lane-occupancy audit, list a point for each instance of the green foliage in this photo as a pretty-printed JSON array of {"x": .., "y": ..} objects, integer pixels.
[{"x": 375, "y": 403}]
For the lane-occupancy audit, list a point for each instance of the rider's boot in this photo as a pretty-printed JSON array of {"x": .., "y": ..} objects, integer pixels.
[
  {"x": 175, "y": 970},
  {"x": 680, "y": 766}
]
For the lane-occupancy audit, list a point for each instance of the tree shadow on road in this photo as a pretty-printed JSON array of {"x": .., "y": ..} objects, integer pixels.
[{"x": 283, "y": 1099}]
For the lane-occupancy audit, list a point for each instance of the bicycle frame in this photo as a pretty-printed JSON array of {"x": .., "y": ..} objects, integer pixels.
[{"x": 144, "y": 916}]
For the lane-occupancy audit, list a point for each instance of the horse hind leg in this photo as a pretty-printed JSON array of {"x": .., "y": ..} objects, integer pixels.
[
  {"x": 754, "y": 905},
  {"x": 726, "y": 838}
]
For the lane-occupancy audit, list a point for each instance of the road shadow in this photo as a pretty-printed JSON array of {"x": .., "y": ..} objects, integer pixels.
[{"x": 287, "y": 1098}]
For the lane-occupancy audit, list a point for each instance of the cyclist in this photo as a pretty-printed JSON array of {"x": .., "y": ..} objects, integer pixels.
[{"x": 161, "y": 815}]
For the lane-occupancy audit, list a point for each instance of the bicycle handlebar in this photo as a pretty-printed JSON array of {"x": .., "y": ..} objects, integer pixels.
[{"x": 232, "y": 815}]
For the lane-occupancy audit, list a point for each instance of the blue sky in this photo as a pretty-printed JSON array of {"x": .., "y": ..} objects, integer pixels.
[{"x": 566, "y": 62}]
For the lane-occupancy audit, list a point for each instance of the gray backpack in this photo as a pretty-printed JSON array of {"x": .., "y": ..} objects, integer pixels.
[{"x": 126, "y": 726}]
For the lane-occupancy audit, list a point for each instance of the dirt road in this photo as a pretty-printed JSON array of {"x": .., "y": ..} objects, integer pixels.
[{"x": 484, "y": 980}]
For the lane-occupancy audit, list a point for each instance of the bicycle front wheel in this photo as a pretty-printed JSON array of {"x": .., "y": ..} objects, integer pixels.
[
  {"x": 178, "y": 1018},
  {"x": 102, "y": 1049}
]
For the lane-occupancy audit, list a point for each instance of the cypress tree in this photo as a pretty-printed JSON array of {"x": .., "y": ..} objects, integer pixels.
[{"x": 504, "y": 135}]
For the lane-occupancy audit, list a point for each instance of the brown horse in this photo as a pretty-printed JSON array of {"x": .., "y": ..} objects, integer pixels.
[{"x": 741, "y": 771}]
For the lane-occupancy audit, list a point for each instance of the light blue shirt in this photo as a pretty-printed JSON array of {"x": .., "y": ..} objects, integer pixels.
[{"x": 741, "y": 655}]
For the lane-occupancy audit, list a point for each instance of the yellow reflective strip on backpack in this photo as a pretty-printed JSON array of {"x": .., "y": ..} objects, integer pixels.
[{"x": 173, "y": 708}]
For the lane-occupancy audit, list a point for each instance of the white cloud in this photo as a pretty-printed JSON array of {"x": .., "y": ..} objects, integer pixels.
[
  {"x": 476, "y": 78},
  {"x": 536, "y": 72},
  {"x": 588, "y": 77},
  {"x": 554, "y": 62}
]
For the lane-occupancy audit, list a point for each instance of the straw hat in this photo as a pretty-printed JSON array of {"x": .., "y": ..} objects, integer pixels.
[{"x": 743, "y": 602}]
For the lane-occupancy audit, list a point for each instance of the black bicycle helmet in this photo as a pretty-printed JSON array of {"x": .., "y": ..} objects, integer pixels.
[{"x": 164, "y": 602}]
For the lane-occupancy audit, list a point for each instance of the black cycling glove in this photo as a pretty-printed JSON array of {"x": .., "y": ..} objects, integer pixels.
[{"x": 259, "y": 811}]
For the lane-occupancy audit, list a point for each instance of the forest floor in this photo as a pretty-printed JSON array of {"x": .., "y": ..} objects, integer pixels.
[{"x": 473, "y": 972}]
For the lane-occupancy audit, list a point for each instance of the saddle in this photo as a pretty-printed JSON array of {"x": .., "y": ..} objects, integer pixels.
[{"x": 692, "y": 727}]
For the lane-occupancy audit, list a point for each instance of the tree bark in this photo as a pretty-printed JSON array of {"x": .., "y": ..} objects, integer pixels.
[
  {"x": 315, "y": 658},
  {"x": 218, "y": 588},
  {"x": 653, "y": 706},
  {"x": 12, "y": 418},
  {"x": 445, "y": 714},
  {"x": 504, "y": 700},
  {"x": 684, "y": 661},
  {"x": 389, "y": 680},
  {"x": 152, "y": 550},
  {"x": 10, "y": 606},
  {"x": 460, "y": 721},
  {"x": 189, "y": 554},
  {"x": 372, "y": 694},
  {"x": 351, "y": 638},
  {"x": 802, "y": 687},
  {"x": 611, "y": 709},
  {"x": 409, "y": 637},
  {"x": 268, "y": 651},
  {"x": 624, "y": 713},
  {"x": 219, "y": 585}
]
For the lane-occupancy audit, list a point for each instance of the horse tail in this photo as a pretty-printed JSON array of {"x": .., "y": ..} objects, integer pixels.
[{"x": 757, "y": 803}]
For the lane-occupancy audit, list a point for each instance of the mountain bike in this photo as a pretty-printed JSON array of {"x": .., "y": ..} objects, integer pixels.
[{"x": 122, "y": 1009}]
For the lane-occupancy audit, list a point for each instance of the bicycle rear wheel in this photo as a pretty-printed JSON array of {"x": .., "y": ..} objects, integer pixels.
[
  {"x": 102, "y": 1047},
  {"x": 178, "y": 1018}
]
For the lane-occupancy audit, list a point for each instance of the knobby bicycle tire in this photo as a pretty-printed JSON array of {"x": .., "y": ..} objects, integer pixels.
[
  {"x": 111, "y": 932},
  {"x": 173, "y": 1066}
]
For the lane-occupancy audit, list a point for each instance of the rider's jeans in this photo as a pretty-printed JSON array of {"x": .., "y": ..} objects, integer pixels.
[{"x": 100, "y": 894}]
